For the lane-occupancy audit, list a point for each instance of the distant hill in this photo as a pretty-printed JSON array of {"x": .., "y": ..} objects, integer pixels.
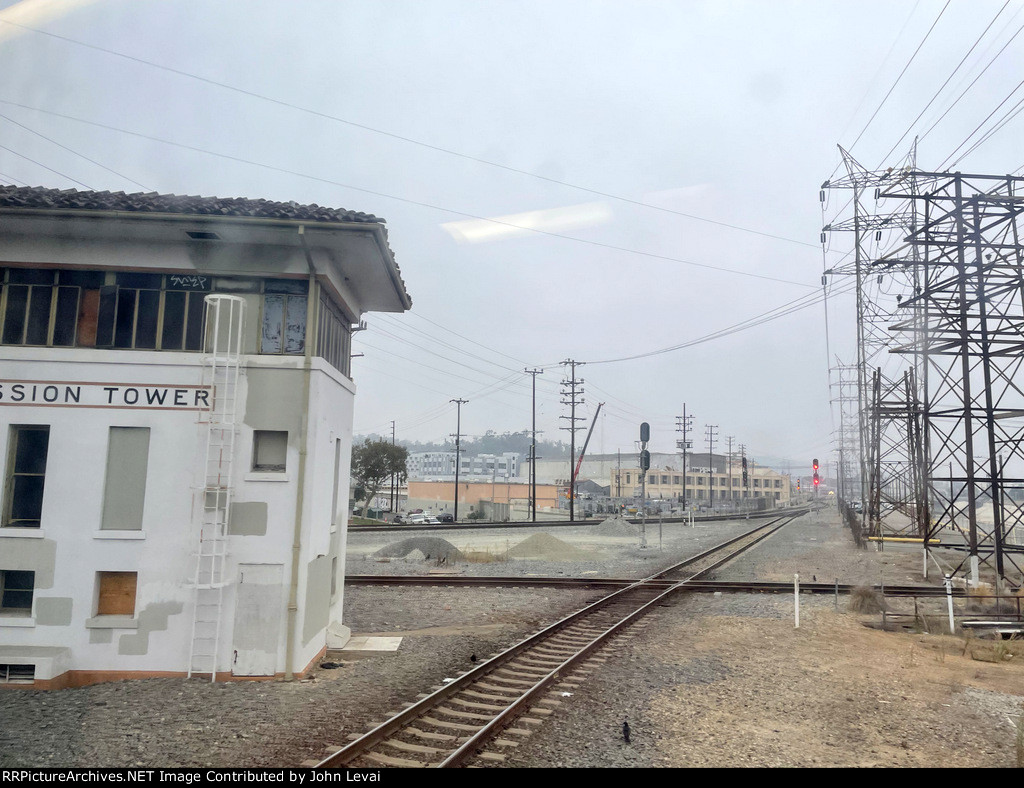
[{"x": 489, "y": 443}]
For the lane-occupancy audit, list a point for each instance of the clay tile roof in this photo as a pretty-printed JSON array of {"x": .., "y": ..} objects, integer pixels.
[
  {"x": 193, "y": 205},
  {"x": 37, "y": 197}
]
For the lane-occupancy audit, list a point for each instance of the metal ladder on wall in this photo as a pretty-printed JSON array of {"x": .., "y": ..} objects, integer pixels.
[{"x": 225, "y": 323}]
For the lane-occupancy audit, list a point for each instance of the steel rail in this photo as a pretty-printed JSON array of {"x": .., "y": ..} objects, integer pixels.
[
  {"x": 386, "y": 729},
  {"x": 738, "y": 586}
]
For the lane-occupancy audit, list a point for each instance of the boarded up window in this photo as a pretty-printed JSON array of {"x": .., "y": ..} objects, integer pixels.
[
  {"x": 270, "y": 450},
  {"x": 125, "y": 491},
  {"x": 116, "y": 593},
  {"x": 284, "y": 317}
]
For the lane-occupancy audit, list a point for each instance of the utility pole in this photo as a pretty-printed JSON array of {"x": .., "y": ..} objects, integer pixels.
[
  {"x": 573, "y": 390},
  {"x": 728, "y": 461},
  {"x": 393, "y": 475},
  {"x": 710, "y": 436},
  {"x": 684, "y": 424},
  {"x": 533, "y": 447},
  {"x": 458, "y": 435}
]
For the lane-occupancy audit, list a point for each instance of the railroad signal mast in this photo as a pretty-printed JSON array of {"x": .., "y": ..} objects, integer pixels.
[
  {"x": 645, "y": 465},
  {"x": 817, "y": 480}
]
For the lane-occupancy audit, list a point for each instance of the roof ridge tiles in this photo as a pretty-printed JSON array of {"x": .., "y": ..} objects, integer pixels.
[{"x": 155, "y": 202}]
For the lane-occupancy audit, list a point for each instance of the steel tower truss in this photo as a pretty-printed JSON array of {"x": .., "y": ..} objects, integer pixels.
[
  {"x": 965, "y": 328},
  {"x": 896, "y": 504},
  {"x": 873, "y": 428}
]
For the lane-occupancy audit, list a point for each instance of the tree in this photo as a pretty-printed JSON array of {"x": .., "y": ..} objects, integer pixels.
[{"x": 373, "y": 463}]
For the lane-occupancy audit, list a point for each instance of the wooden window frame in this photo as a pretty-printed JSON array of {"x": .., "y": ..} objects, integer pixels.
[{"x": 13, "y": 474}]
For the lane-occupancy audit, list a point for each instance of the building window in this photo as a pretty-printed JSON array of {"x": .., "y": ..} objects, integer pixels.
[
  {"x": 16, "y": 590},
  {"x": 17, "y": 674},
  {"x": 664, "y": 479},
  {"x": 284, "y": 317},
  {"x": 125, "y": 492},
  {"x": 102, "y": 309},
  {"x": 26, "y": 464},
  {"x": 116, "y": 593},
  {"x": 333, "y": 337},
  {"x": 270, "y": 451}
]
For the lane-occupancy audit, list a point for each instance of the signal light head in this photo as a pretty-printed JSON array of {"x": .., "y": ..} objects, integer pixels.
[{"x": 815, "y": 463}]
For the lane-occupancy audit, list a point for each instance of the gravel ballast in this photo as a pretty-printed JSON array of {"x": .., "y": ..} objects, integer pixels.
[{"x": 708, "y": 680}]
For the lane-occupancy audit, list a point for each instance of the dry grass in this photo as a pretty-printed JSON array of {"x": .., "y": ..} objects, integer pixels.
[{"x": 865, "y": 600}]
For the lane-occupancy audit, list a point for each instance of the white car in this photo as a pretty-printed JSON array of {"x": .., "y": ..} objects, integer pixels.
[{"x": 416, "y": 519}]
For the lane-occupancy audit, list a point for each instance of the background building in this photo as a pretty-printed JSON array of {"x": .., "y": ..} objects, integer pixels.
[{"x": 441, "y": 465}]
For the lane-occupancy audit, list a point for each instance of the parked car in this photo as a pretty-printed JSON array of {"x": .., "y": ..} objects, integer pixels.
[
  {"x": 398, "y": 520},
  {"x": 431, "y": 520},
  {"x": 446, "y": 517},
  {"x": 416, "y": 519}
]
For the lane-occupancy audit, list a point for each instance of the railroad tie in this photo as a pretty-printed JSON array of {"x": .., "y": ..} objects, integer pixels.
[
  {"x": 513, "y": 683},
  {"x": 388, "y": 760},
  {"x": 488, "y": 707},
  {"x": 487, "y": 696},
  {"x": 464, "y": 715},
  {"x": 452, "y": 726},
  {"x": 496, "y": 688},
  {"x": 418, "y": 749},
  {"x": 433, "y": 736}
]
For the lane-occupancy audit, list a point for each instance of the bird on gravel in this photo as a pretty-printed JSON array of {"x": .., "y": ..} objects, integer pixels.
[
  {"x": 472, "y": 658},
  {"x": 625, "y": 730}
]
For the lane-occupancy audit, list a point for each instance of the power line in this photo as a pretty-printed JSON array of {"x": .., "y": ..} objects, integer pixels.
[
  {"x": 419, "y": 203},
  {"x": 72, "y": 151},
  {"x": 967, "y": 89},
  {"x": 40, "y": 164},
  {"x": 904, "y": 71},
  {"x": 943, "y": 86},
  {"x": 796, "y": 305},
  {"x": 399, "y": 137}
]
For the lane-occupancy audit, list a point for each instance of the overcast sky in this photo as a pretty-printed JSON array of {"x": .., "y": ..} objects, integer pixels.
[{"x": 667, "y": 155}]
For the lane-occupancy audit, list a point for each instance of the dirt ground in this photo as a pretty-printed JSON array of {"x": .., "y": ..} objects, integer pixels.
[{"x": 836, "y": 693}]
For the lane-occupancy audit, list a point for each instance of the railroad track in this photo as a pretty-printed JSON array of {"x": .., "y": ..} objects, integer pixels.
[
  {"x": 736, "y": 586},
  {"x": 650, "y": 521},
  {"x": 491, "y": 707}
]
